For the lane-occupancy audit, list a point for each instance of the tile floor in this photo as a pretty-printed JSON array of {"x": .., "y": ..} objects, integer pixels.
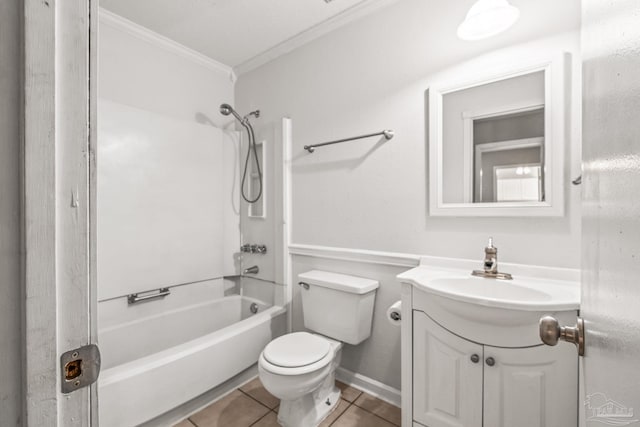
[{"x": 252, "y": 405}]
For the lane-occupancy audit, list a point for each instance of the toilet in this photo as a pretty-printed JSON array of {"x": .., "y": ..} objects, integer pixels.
[{"x": 299, "y": 368}]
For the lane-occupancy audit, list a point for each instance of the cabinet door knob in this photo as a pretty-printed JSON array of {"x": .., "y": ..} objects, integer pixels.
[
  {"x": 490, "y": 361},
  {"x": 475, "y": 358}
]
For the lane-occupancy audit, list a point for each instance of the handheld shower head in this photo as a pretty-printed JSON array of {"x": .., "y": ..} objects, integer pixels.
[{"x": 226, "y": 109}]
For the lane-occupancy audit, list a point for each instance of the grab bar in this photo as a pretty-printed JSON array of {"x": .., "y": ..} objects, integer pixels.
[
  {"x": 388, "y": 134},
  {"x": 136, "y": 298}
]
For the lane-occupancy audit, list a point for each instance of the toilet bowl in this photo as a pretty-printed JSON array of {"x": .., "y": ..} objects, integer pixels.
[{"x": 299, "y": 369}]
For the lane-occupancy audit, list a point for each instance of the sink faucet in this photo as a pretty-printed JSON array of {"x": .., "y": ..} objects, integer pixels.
[
  {"x": 490, "y": 265},
  {"x": 491, "y": 258}
]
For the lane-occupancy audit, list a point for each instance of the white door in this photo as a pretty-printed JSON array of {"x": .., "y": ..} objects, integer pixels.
[
  {"x": 611, "y": 212},
  {"x": 530, "y": 387},
  {"x": 447, "y": 386}
]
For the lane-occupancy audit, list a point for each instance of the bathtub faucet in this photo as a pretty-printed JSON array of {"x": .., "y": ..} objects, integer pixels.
[{"x": 251, "y": 270}]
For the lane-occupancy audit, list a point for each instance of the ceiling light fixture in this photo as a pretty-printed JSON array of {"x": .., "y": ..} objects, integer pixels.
[{"x": 486, "y": 18}]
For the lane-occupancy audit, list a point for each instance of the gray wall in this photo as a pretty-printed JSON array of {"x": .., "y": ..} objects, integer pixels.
[
  {"x": 370, "y": 194},
  {"x": 367, "y": 76},
  {"x": 10, "y": 306},
  {"x": 509, "y": 127},
  {"x": 379, "y": 356}
]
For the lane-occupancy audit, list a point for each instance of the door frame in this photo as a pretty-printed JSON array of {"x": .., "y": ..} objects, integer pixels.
[{"x": 58, "y": 214}]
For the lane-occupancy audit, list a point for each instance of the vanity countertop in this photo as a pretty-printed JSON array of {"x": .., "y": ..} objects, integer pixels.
[{"x": 533, "y": 288}]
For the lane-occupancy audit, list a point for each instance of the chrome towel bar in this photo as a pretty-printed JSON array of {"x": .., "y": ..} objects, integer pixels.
[
  {"x": 136, "y": 298},
  {"x": 388, "y": 134}
]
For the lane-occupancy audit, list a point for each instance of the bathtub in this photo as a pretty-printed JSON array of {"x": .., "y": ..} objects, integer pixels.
[{"x": 157, "y": 363}]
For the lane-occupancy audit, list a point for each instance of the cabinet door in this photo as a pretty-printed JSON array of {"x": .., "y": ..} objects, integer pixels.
[
  {"x": 447, "y": 384},
  {"x": 531, "y": 387}
]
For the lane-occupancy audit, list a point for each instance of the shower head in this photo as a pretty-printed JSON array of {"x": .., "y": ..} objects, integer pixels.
[{"x": 226, "y": 109}]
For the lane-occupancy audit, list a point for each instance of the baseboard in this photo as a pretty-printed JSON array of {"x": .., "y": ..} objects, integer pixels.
[
  {"x": 184, "y": 411},
  {"x": 369, "y": 385}
]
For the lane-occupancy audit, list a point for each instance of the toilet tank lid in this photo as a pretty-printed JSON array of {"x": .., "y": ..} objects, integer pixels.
[{"x": 340, "y": 282}]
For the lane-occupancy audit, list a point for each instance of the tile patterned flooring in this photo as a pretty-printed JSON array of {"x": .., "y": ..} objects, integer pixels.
[{"x": 252, "y": 405}]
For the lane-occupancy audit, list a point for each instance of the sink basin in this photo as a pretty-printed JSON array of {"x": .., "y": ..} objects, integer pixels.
[
  {"x": 491, "y": 311},
  {"x": 520, "y": 294}
]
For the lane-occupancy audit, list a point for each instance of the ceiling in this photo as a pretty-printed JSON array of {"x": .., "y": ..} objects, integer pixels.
[
  {"x": 246, "y": 33},
  {"x": 230, "y": 31}
]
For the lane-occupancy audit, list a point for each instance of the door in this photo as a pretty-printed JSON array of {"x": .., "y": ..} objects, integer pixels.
[
  {"x": 611, "y": 212},
  {"x": 447, "y": 376},
  {"x": 530, "y": 387}
]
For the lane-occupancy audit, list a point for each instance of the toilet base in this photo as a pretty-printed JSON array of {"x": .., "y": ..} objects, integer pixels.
[{"x": 311, "y": 409}]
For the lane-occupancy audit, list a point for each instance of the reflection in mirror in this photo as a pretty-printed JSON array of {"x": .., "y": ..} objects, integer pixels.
[
  {"x": 509, "y": 142},
  {"x": 492, "y": 134}
]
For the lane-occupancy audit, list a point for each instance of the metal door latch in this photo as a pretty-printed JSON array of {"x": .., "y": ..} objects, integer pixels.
[
  {"x": 551, "y": 332},
  {"x": 79, "y": 368}
]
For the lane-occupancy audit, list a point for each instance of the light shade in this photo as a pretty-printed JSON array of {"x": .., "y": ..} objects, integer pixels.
[{"x": 487, "y": 18}]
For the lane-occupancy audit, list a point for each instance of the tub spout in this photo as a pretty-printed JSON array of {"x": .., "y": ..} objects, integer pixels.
[{"x": 251, "y": 270}]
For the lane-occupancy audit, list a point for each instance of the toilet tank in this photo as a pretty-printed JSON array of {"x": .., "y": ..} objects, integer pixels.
[{"x": 338, "y": 306}]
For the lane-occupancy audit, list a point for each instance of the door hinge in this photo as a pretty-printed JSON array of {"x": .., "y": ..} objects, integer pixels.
[{"x": 79, "y": 368}]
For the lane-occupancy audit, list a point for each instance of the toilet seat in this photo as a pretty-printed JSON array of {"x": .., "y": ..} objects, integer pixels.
[
  {"x": 308, "y": 353},
  {"x": 296, "y": 349}
]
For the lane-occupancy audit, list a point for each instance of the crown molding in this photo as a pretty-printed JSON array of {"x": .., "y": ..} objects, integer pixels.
[
  {"x": 349, "y": 15},
  {"x": 149, "y": 36}
]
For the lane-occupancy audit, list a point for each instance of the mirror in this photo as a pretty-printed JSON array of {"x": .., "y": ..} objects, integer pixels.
[{"x": 496, "y": 144}]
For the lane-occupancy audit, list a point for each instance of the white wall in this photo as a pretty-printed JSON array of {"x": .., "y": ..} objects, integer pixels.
[
  {"x": 140, "y": 69},
  {"x": 372, "y": 75},
  {"x": 267, "y": 230},
  {"x": 160, "y": 201},
  {"x": 10, "y": 240}
]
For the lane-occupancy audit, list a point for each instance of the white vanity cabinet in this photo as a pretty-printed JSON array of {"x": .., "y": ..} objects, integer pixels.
[
  {"x": 480, "y": 362},
  {"x": 531, "y": 387},
  {"x": 459, "y": 383},
  {"x": 447, "y": 384}
]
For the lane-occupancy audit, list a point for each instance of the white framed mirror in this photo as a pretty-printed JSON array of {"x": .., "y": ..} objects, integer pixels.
[{"x": 497, "y": 140}]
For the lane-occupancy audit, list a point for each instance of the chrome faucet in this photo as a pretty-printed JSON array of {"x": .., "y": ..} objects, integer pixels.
[
  {"x": 490, "y": 265},
  {"x": 251, "y": 270},
  {"x": 253, "y": 249}
]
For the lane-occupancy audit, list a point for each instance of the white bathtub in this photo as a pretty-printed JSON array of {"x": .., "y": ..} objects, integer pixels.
[{"x": 157, "y": 363}]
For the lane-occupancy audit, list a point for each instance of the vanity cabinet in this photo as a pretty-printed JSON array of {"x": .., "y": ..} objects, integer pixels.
[
  {"x": 447, "y": 383},
  {"x": 461, "y": 383}
]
